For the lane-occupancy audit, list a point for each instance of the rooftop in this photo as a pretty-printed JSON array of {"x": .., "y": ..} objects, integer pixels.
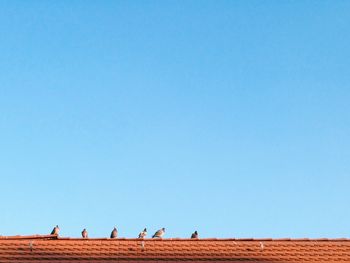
[{"x": 48, "y": 248}]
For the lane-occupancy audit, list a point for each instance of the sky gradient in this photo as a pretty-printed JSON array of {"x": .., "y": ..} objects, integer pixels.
[{"x": 227, "y": 117}]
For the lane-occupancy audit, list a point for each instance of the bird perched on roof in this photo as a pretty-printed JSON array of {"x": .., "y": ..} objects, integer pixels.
[
  {"x": 159, "y": 234},
  {"x": 143, "y": 234},
  {"x": 84, "y": 233},
  {"x": 194, "y": 235},
  {"x": 114, "y": 233},
  {"x": 55, "y": 230}
]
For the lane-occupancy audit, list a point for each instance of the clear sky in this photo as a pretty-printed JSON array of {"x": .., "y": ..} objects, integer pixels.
[{"x": 227, "y": 117}]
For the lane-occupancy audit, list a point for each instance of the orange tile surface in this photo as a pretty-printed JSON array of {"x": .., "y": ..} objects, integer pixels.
[{"x": 53, "y": 249}]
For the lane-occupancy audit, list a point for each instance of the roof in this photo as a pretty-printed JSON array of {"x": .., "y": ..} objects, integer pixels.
[{"x": 53, "y": 249}]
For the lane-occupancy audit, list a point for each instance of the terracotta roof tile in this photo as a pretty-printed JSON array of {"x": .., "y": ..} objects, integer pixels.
[{"x": 53, "y": 249}]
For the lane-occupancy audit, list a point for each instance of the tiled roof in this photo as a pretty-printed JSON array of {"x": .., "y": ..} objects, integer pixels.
[{"x": 52, "y": 249}]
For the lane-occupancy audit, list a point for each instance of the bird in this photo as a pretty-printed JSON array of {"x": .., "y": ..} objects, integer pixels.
[
  {"x": 55, "y": 230},
  {"x": 143, "y": 234},
  {"x": 114, "y": 233},
  {"x": 159, "y": 233},
  {"x": 194, "y": 235},
  {"x": 84, "y": 233}
]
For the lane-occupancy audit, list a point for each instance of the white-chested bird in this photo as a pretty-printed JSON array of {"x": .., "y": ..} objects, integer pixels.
[
  {"x": 84, "y": 233},
  {"x": 143, "y": 234},
  {"x": 194, "y": 235},
  {"x": 159, "y": 234},
  {"x": 114, "y": 233},
  {"x": 55, "y": 231}
]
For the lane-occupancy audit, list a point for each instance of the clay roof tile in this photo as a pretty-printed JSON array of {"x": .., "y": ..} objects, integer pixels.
[{"x": 52, "y": 248}]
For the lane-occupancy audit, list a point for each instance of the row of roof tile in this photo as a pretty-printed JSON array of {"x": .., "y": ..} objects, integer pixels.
[{"x": 50, "y": 248}]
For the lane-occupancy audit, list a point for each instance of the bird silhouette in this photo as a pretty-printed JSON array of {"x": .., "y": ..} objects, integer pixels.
[
  {"x": 194, "y": 235},
  {"x": 114, "y": 233},
  {"x": 55, "y": 230},
  {"x": 143, "y": 234},
  {"x": 159, "y": 234},
  {"x": 84, "y": 233}
]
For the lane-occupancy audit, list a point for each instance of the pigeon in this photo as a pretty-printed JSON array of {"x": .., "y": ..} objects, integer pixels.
[
  {"x": 143, "y": 234},
  {"x": 159, "y": 233},
  {"x": 194, "y": 235},
  {"x": 114, "y": 233},
  {"x": 55, "y": 231},
  {"x": 84, "y": 233}
]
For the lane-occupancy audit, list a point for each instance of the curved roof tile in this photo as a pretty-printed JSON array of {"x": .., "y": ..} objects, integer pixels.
[{"x": 53, "y": 249}]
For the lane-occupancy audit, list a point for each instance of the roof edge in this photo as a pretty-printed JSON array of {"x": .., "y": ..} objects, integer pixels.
[
  {"x": 55, "y": 237},
  {"x": 18, "y": 237}
]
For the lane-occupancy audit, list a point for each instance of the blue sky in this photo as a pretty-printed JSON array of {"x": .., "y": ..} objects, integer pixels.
[{"x": 227, "y": 117}]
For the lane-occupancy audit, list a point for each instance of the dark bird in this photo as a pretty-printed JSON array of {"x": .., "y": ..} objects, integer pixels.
[
  {"x": 114, "y": 233},
  {"x": 159, "y": 234},
  {"x": 84, "y": 233},
  {"x": 143, "y": 234},
  {"x": 55, "y": 230},
  {"x": 194, "y": 235}
]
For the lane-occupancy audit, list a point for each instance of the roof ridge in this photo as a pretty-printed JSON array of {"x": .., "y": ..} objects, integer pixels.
[
  {"x": 17, "y": 237},
  {"x": 55, "y": 237}
]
